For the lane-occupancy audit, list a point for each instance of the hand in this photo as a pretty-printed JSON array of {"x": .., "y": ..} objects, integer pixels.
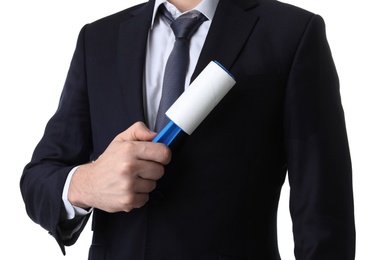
[{"x": 124, "y": 175}]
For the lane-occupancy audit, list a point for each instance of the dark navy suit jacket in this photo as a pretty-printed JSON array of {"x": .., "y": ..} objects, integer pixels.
[{"x": 219, "y": 196}]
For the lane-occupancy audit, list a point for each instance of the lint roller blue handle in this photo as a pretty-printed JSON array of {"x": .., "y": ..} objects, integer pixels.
[{"x": 167, "y": 134}]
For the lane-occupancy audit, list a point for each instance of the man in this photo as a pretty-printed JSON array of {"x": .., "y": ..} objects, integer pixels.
[{"x": 214, "y": 194}]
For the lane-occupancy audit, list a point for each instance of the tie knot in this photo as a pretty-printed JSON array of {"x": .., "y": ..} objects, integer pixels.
[{"x": 185, "y": 25}]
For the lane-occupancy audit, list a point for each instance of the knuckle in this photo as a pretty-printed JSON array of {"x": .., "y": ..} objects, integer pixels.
[
  {"x": 138, "y": 124},
  {"x": 132, "y": 169},
  {"x": 128, "y": 148},
  {"x": 122, "y": 171}
]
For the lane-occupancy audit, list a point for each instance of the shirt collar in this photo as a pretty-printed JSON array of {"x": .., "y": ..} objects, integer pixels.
[{"x": 206, "y": 7}]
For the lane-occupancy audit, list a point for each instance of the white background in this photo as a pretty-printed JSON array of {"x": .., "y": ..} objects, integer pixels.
[{"x": 37, "y": 40}]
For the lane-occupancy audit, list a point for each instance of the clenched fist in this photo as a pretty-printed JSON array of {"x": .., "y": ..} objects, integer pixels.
[{"x": 124, "y": 175}]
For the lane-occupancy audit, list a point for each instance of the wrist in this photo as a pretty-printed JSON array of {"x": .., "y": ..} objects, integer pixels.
[{"x": 79, "y": 187}]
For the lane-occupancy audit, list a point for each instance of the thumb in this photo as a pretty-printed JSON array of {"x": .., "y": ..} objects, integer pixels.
[{"x": 137, "y": 132}]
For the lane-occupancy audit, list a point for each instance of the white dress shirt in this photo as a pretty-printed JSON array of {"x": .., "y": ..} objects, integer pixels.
[{"x": 160, "y": 43}]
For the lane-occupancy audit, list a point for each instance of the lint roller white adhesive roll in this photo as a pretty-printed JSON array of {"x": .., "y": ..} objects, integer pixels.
[{"x": 199, "y": 99}]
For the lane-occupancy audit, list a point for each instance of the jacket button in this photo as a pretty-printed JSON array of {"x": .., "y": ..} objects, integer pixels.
[{"x": 156, "y": 196}]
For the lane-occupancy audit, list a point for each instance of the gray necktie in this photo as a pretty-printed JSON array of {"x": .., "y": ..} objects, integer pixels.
[{"x": 176, "y": 68}]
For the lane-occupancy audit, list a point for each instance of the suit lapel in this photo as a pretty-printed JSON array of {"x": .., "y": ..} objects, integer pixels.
[
  {"x": 133, "y": 35},
  {"x": 229, "y": 30}
]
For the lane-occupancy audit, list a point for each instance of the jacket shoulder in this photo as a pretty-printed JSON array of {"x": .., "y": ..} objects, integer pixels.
[
  {"x": 121, "y": 15},
  {"x": 276, "y": 11},
  {"x": 281, "y": 16},
  {"x": 117, "y": 18}
]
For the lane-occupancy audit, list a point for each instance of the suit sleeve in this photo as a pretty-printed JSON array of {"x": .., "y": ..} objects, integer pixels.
[
  {"x": 319, "y": 165},
  {"x": 65, "y": 144}
]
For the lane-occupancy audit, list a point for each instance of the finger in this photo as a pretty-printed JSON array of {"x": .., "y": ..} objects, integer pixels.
[
  {"x": 153, "y": 152},
  {"x": 144, "y": 186},
  {"x": 139, "y": 200},
  {"x": 136, "y": 200},
  {"x": 137, "y": 132},
  {"x": 151, "y": 171}
]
